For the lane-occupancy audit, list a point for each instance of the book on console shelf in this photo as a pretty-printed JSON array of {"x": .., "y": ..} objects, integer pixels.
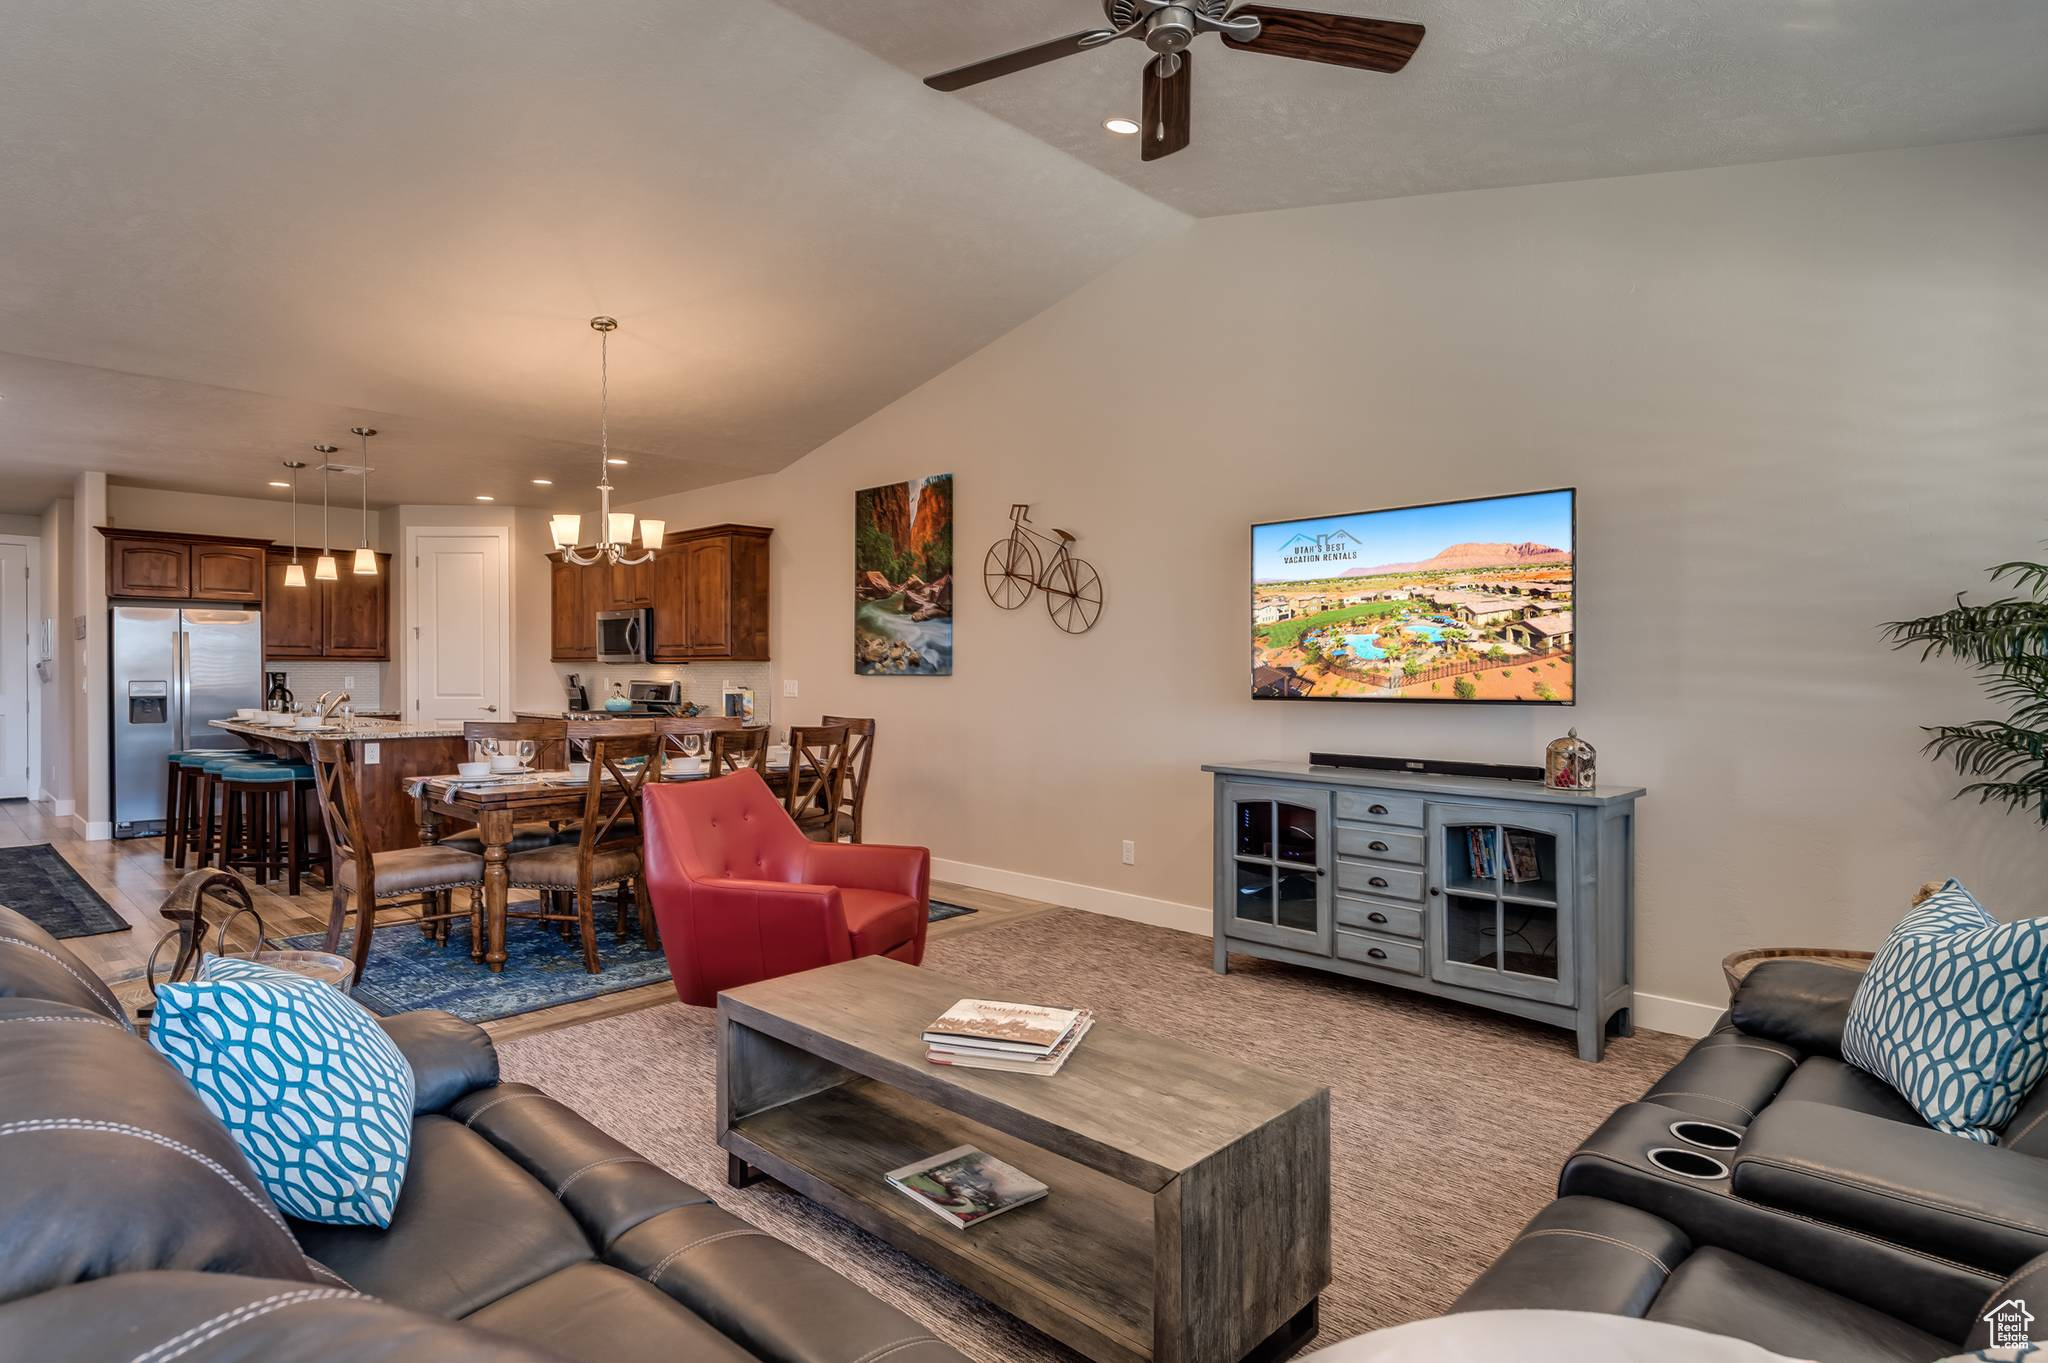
[
  {"x": 965, "y": 1186},
  {"x": 1026, "y": 1030},
  {"x": 970, "y": 1057}
]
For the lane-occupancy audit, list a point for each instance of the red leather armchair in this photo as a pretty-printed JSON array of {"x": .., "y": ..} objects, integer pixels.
[{"x": 741, "y": 894}]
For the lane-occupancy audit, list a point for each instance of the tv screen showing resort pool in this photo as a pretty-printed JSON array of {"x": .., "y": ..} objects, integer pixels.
[{"x": 1455, "y": 601}]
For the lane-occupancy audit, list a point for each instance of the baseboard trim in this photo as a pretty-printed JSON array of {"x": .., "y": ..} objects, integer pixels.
[
  {"x": 1160, "y": 913},
  {"x": 90, "y": 831},
  {"x": 58, "y": 809},
  {"x": 1680, "y": 1017}
]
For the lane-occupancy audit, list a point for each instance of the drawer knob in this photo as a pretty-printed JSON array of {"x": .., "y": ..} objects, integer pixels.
[
  {"x": 1377, "y": 846},
  {"x": 1376, "y": 953},
  {"x": 1375, "y": 918},
  {"x": 1434, "y": 891},
  {"x": 1376, "y": 809},
  {"x": 1378, "y": 882}
]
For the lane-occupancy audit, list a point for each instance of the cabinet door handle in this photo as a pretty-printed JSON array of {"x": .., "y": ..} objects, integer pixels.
[
  {"x": 1375, "y": 918},
  {"x": 1376, "y": 809},
  {"x": 1378, "y": 882},
  {"x": 1376, "y": 845},
  {"x": 1321, "y": 872},
  {"x": 1434, "y": 891},
  {"x": 1376, "y": 953}
]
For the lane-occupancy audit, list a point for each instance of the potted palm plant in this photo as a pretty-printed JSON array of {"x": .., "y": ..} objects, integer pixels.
[{"x": 2006, "y": 640}]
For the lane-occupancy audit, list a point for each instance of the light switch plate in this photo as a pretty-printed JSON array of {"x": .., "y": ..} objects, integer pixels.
[{"x": 788, "y": 688}]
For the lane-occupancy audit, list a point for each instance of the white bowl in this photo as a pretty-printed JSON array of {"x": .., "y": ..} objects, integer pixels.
[
  {"x": 472, "y": 768},
  {"x": 506, "y": 765},
  {"x": 580, "y": 770},
  {"x": 247, "y": 712}
]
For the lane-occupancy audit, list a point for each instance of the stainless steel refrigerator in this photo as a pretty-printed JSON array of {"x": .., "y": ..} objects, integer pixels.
[{"x": 175, "y": 668}]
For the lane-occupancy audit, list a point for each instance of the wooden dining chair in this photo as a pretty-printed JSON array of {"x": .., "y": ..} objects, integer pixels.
[
  {"x": 732, "y": 749},
  {"x": 817, "y": 775},
  {"x": 860, "y": 754},
  {"x": 493, "y": 738},
  {"x": 607, "y": 847},
  {"x": 367, "y": 881},
  {"x": 690, "y": 735}
]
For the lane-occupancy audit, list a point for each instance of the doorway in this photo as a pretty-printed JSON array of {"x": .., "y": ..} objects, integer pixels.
[
  {"x": 458, "y": 625},
  {"x": 21, "y": 626}
]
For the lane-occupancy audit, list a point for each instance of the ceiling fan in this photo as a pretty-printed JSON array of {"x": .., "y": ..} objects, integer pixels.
[{"x": 1168, "y": 26}]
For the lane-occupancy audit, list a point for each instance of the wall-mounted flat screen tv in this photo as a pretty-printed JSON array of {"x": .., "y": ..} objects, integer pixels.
[{"x": 1468, "y": 602}]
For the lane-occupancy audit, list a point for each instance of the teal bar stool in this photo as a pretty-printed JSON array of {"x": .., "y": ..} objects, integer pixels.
[
  {"x": 263, "y": 820},
  {"x": 181, "y": 810},
  {"x": 205, "y": 796}
]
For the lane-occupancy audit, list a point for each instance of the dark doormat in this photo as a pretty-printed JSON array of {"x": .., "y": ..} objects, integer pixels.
[{"x": 41, "y": 886}]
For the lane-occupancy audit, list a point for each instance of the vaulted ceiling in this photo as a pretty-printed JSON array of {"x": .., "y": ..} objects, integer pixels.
[{"x": 233, "y": 227}]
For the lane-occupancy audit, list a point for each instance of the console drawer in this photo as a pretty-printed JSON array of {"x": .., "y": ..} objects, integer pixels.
[
  {"x": 1378, "y": 808},
  {"x": 1378, "y": 878},
  {"x": 1376, "y": 915},
  {"x": 1384, "y": 952},
  {"x": 1354, "y": 840}
]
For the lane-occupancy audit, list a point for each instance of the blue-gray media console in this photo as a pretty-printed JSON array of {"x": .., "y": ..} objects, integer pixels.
[{"x": 1504, "y": 894}]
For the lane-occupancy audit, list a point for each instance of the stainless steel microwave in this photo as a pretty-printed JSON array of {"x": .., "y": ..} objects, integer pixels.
[{"x": 625, "y": 636}]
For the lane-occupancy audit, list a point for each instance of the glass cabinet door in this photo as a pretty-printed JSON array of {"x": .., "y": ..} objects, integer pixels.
[
  {"x": 1500, "y": 898},
  {"x": 1275, "y": 871}
]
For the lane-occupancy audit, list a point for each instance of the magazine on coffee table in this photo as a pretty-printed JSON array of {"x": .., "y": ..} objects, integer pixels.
[
  {"x": 976, "y": 1058},
  {"x": 1020, "y": 1028},
  {"x": 965, "y": 1186}
]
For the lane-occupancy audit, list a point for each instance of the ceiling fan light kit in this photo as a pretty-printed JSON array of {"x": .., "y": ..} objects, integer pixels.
[{"x": 1167, "y": 27}]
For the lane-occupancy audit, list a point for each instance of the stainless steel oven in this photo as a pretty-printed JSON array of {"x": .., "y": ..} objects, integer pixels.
[{"x": 625, "y": 636}]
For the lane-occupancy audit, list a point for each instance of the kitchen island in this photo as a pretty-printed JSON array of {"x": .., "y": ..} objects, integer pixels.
[{"x": 387, "y": 754}]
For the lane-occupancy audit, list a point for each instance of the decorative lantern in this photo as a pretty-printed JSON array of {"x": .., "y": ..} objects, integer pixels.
[{"x": 1568, "y": 763}]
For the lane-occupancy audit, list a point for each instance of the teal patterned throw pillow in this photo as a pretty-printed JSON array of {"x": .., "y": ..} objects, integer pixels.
[
  {"x": 1951, "y": 1013},
  {"x": 311, "y": 1088}
]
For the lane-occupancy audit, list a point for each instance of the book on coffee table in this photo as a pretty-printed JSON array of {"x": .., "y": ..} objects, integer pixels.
[
  {"x": 970, "y": 1057},
  {"x": 1025, "y": 1029},
  {"x": 965, "y": 1186}
]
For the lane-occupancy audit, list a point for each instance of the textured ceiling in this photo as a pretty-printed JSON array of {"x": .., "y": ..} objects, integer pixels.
[
  {"x": 1504, "y": 92},
  {"x": 272, "y": 221}
]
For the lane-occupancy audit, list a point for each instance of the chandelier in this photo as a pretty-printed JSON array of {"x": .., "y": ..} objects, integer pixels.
[{"x": 616, "y": 527}]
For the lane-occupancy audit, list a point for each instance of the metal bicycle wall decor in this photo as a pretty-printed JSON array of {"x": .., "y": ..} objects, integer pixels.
[{"x": 1015, "y": 566}]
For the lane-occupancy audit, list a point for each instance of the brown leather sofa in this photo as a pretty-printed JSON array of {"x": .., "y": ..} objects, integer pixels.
[{"x": 136, "y": 1231}]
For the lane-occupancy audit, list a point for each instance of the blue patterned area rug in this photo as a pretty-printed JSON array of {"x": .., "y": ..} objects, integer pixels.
[
  {"x": 407, "y": 971},
  {"x": 40, "y": 885}
]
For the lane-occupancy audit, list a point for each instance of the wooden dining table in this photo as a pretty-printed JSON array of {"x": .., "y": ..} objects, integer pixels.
[{"x": 497, "y": 807}]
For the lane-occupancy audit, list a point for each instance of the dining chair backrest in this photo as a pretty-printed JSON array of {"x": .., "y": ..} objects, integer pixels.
[
  {"x": 501, "y": 737},
  {"x": 860, "y": 755},
  {"x": 689, "y": 735},
  {"x": 817, "y": 774},
  {"x": 341, "y": 811},
  {"x": 732, "y": 749},
  {"x": 620, "y": 764}
]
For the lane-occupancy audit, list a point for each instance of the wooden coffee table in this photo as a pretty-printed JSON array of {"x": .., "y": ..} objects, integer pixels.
[{"x": 1189, "y": 1218}]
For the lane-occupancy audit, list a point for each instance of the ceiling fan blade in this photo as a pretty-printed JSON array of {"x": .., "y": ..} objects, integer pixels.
[
  {"x": 1168, "y": 106},
  {"x": 1023, "y": 59},
  {"x": 1339, "y": 39}
]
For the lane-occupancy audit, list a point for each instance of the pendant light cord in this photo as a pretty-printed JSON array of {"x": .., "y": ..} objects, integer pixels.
[{"x": 604, "y": 409}]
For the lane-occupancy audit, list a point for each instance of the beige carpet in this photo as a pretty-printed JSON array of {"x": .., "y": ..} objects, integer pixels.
[{"x": 1449, "y": 1124}]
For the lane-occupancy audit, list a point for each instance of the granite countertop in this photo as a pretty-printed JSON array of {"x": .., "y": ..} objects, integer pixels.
[{"x": 375, "y": 730}]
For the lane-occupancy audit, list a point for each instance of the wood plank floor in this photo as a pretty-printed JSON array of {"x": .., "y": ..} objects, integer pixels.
[{"x": 133, "y": 877}]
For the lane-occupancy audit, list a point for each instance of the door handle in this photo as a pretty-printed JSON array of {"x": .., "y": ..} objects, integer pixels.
[
  {"x": 1378, "y": 882},
  {"x": 491, "y": 709}
]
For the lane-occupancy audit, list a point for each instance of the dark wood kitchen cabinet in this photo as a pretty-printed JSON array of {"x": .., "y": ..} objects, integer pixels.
[
  {"x": 707, "y": 590},
  {"x": 349, "y": 617},
  {"x": 164, "y": 566}
]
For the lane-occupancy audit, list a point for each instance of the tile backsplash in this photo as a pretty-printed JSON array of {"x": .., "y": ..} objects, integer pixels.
[
  {"x": 703, "y": 683},
  {"x": 364, "y": 681}
]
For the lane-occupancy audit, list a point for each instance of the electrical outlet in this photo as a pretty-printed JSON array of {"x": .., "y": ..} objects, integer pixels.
[
  {"x": 1130, "y": 853},
  {"x": 349, "y": 683},
  {"x": 373, "y": 753},
  {"x": 788, "y": 687}
]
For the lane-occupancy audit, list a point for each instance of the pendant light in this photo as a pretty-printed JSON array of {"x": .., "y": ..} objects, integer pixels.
[
  {"x": 323, "y": 567},
  {"x": 615, "y": 529},
  {"x": 366, "y": 558},
  {"x": 294, "y": 573}
]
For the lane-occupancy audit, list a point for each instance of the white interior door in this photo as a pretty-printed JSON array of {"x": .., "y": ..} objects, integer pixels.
[
  {"x": 460, "y": 626},
  {"x": 16, "y": 603}
]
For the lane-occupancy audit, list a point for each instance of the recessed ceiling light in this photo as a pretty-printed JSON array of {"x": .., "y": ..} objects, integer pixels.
[
  {"x": 616, "y": 461},
  {"x": 275, "y": 483},
  {"x": 484, "y": 498},
  {"x": 543, "y": 482},
  {"x": 1122, "y": 127}
]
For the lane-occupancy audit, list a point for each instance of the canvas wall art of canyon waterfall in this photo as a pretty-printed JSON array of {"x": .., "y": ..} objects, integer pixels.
[{"x": 903, "y": 578}]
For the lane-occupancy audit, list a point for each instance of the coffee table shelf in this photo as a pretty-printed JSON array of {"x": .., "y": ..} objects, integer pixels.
[{"x": 1188, "y": 1217}]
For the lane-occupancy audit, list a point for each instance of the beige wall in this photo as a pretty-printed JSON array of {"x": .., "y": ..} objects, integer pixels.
[
  {"x": 194, "y": 513},
  {"x": 1797, "y": 399}
]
